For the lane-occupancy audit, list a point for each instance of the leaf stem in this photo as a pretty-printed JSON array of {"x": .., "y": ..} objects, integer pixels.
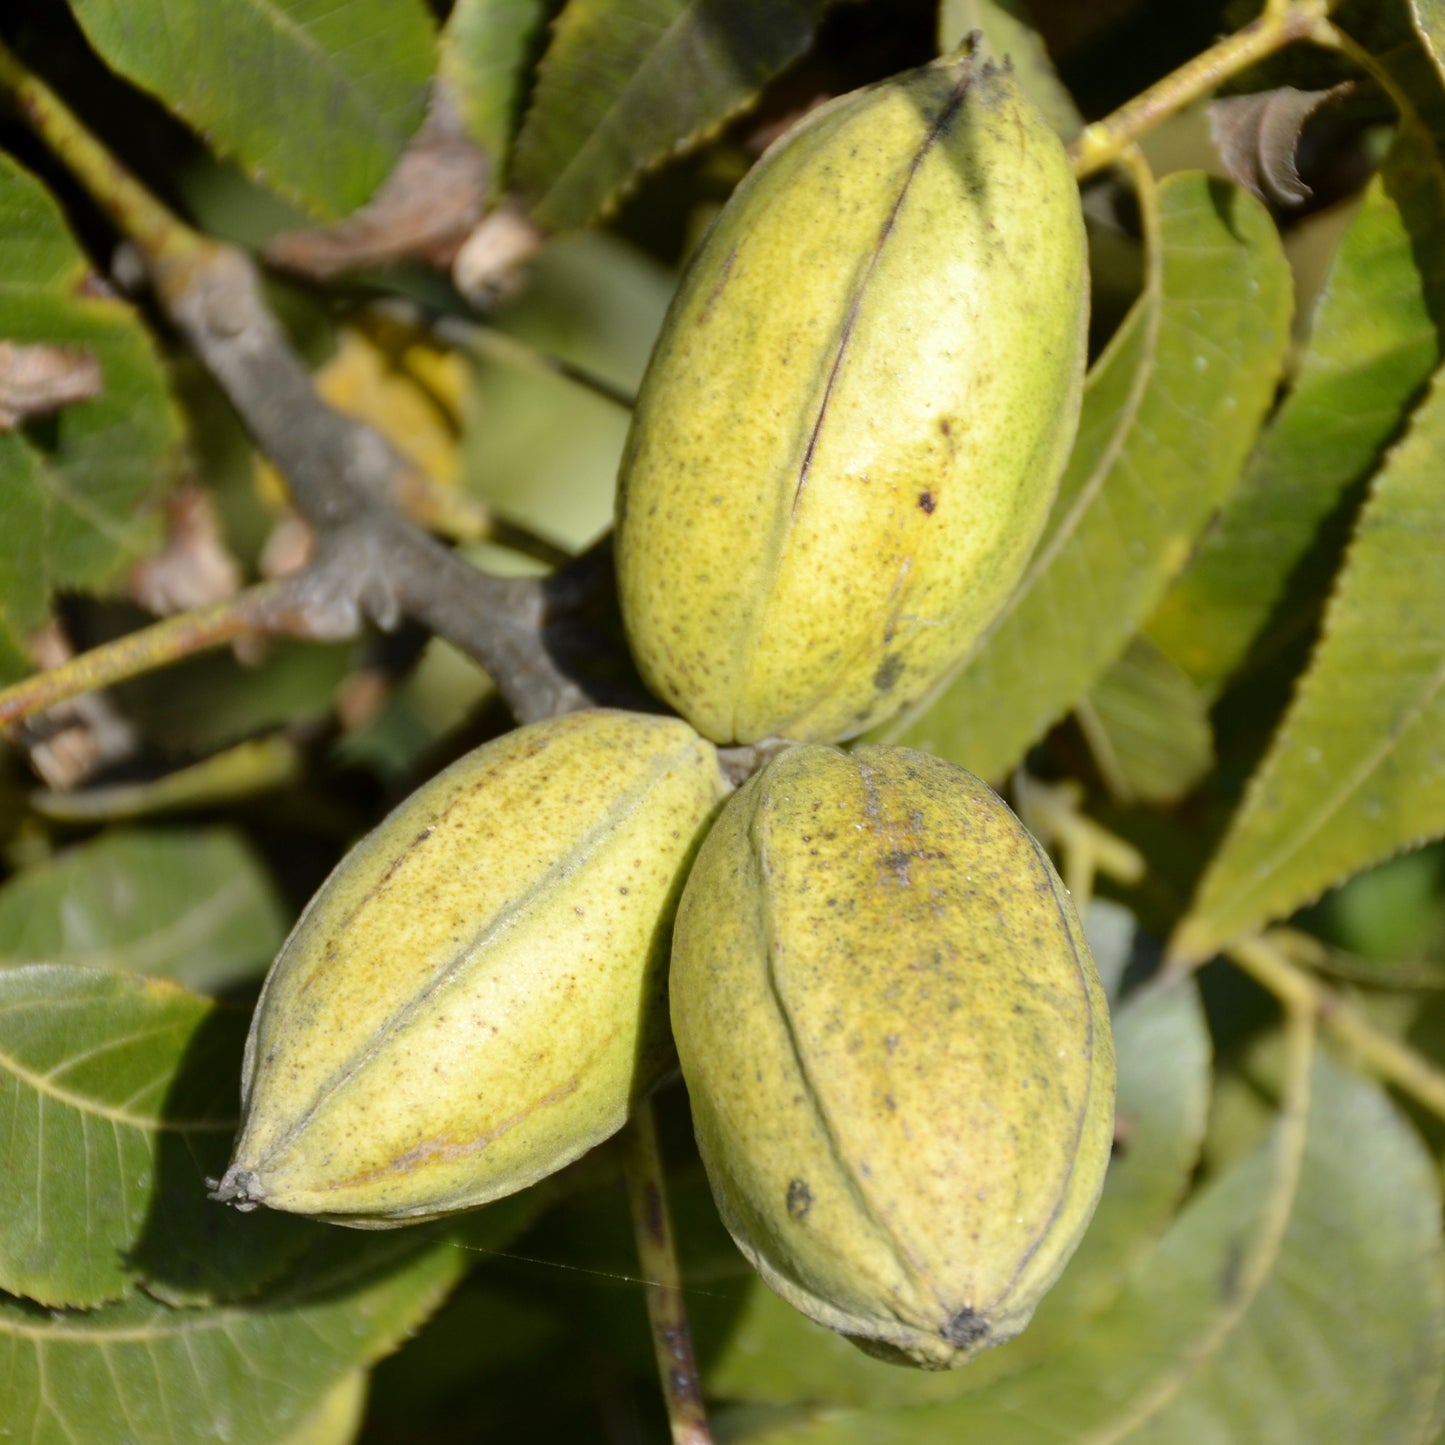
[
  {"x": 1088, "y": 849},
  {"x": 1267, "y": 962},
  {"x": 1259, "y": 1257},
  {"x": 1331, "y": 37},
  {"x": 260, "y": 610},
  {"x": 509, "y": 350},
  {"x": 1316, "y": 956},
  {"x": 1281, "y": 23},
  {"x": 657, "y": 1256}
]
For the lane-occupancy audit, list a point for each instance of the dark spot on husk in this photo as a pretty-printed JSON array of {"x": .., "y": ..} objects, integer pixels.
[
  {"x": 926, "y": 502},
  {"x": 965, "y": 1328},
  {"x": 889, "y": 671},
  {"x": 800, "y": 1199}
]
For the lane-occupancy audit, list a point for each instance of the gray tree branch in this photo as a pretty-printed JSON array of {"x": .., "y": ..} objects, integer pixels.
[{"x": 342, "y": 473}]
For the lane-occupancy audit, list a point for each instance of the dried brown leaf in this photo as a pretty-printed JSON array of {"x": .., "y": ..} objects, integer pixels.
[
  {"x": 424, "y": 211},
  {"x": 41, "y": 378},
  {"x": 1258, "y": 138},
  {"x": 195, "y": 567},
  {"x": 489, "y": 266}
]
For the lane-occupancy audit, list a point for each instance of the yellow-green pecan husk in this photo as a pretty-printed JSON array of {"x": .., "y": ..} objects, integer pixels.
[
  {"x": 896, "y": 1047},
  {"x": 477, "y": 994},
  {"x": 856, "y": 414}
]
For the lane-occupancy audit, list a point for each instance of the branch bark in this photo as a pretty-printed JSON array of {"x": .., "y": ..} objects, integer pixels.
[{"x": 343, "y": 474}]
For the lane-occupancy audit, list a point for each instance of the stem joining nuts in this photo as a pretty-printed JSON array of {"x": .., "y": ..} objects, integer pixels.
[{"x": 896, "y": 1046}]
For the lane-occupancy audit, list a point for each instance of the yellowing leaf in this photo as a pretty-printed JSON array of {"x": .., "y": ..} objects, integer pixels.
[{"x": 412, "y": 392}]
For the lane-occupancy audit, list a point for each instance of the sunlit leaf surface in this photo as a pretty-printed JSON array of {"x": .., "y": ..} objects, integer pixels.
[
  {"x": 1356, "y": 772},
  {"x": 316, "y": 99},
  {"x": 627, "y": 83},
  {"x": 1372, "y": 346}
]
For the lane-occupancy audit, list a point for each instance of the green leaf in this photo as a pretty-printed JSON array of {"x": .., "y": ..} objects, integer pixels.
[
  {"x": 259, "y": 765},
  {"x": 1429, "y": 16},
  {"x": 138, "y": 1371},
  {"x": 117, "y": 1102},
  {"x": 1385, "y": 926},
  {"x": 483, "y": 53},
  {"x": 775, "y": 1355},
  {"x": 1008, "y": 34},
  {"x": 1371, "y": 348},
  {"x": 77, "y": 487},
  {"x": 1364, "y": 1235},
  {"x": 314, "y": 98},
  {"x": 627, "y": 83},
  {"x": 195, "y": 905},
  {"x": 1148, "y": 727},
  {"x": 337, "y": 1419},
  {"x": 1169, "y": 412},
  {"x": 1356, "y": 771},
  {"x": 210, "y": 702},
  {"x": 1340, "y": 1343}
]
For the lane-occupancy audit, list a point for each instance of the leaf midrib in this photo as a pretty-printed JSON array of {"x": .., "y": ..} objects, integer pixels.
[{"x": 44, "y": 1086}]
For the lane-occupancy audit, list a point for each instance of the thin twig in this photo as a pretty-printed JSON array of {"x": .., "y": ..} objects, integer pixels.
[
  {"x": 657, "y": 1257},
  {"x": 1269, "y": 965},
  {"x": 342, "y": 473},
  {"x": 1088, "y": 848},
  {"x": 1282, "y": 23},
  {"x": 513, "y": 351},
  {"x": 153, "y": 228},
  {"x": 1316, "y": 956},
  {"x": 259, "y": 611}
]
